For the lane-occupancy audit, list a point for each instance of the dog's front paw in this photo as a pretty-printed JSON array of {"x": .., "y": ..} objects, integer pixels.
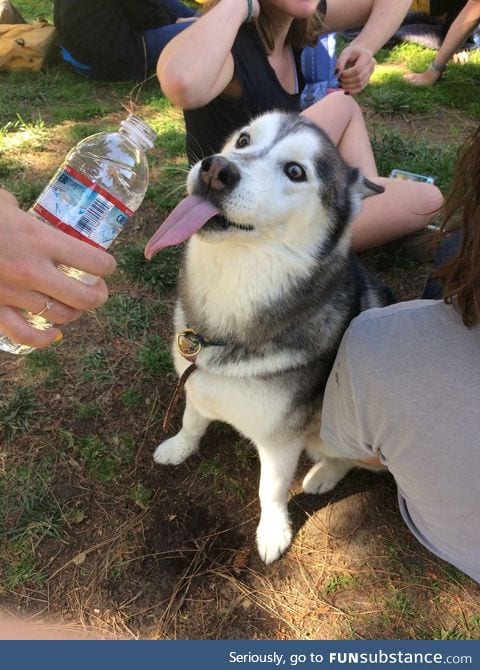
[
  {"x": 174, "y": 450},
  {"x": 325, "y": 475},
  {"x": 274, "y": 536}
]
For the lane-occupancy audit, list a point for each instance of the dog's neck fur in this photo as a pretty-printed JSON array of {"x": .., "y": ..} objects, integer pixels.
[{"x": 226, "y": 285}]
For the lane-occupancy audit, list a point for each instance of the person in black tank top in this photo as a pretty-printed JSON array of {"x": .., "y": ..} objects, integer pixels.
[
  {"x": 241, "y": 58},
  {"x": 208, "y": 127}
]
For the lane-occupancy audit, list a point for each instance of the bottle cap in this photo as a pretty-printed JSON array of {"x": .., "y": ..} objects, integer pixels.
[{"x": 139, "y": 130}]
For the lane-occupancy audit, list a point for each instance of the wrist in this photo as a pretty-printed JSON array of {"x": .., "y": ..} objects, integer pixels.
[
  {"x": 438, "y": 69},
  {"x": 360, "y": 44}
]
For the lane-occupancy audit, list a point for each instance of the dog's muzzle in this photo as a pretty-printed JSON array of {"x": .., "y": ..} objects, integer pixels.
[{"x": 218, "y": 174}]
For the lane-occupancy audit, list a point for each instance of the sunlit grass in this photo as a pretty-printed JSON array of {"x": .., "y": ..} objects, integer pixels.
[
  {"x": 18, "y": 134},
  {"x": 389, "y": 94},
  {"x": 33, "y": 9}
]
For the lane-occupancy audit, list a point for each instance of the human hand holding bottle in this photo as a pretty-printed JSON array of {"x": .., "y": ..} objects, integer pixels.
[
  {"x": 91, "y": 197},
  {"x": 30, "y": 280}
]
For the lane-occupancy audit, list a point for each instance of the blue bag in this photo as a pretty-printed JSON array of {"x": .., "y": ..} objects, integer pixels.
[{"x": 318, "y": 67}]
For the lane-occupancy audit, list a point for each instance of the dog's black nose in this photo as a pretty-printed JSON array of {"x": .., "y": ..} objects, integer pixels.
[{"x": 217, "y": 173}]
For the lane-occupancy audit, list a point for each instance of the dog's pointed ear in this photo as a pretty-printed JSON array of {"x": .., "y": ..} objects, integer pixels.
[{"x": 362, "y": 186}]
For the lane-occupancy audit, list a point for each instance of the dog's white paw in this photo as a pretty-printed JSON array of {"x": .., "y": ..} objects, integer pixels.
[
  {"x": 274, "y": 536},
  {"x": 324, "y": 476},
  {"x": 174, "y": 450}
]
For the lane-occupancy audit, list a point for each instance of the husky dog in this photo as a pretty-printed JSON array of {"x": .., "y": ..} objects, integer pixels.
[{"x": 268, "y": 287}]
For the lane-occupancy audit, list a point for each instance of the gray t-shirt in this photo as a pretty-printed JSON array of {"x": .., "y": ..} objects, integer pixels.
[{"x": 405, "y": 386}]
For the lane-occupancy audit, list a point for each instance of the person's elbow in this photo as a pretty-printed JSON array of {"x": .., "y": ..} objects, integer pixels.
[{"x": 177, "y": 86}]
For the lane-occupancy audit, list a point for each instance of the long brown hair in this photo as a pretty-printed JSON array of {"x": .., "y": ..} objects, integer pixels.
[
  {"x": 302, "y": 33},
  {"x": 460, "y": 275}
]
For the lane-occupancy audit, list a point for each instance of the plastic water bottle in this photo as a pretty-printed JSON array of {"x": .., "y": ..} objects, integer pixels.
[{"x": 93, "y": 194}]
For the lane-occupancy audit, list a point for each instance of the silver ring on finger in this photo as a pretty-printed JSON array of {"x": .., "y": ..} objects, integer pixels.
[{"x": 48, "y": 305}]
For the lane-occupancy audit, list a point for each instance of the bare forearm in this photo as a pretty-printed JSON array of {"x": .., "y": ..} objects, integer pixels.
[
  {"x": 380, "y": 19},
  {"x": 197, "y": 65},
  {"x": 383, "y": 21},
  {"x": 460, "y": 29}
]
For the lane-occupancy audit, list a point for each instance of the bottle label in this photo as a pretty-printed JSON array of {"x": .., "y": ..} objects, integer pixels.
[{"x": 82, "y": 208}]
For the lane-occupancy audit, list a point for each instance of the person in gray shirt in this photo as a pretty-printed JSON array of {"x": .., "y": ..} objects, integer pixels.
[{"x": 403, "y": 391}]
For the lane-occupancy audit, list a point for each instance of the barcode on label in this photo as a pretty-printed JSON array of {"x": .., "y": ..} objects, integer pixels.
[{"x": 93, "y": 215}]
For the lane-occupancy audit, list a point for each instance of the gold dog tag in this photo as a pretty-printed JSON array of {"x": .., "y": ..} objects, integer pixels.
[{"x": 189, "y": 344}]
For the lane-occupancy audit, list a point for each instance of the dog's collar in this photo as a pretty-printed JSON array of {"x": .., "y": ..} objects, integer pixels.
[{"x": 190, "y": 344}]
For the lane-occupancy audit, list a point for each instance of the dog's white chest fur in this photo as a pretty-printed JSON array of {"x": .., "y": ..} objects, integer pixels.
[{"x": 231, "y": 281}]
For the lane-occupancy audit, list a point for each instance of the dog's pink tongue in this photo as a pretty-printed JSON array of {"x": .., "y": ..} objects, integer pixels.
[{"x": 187, "y": 217}]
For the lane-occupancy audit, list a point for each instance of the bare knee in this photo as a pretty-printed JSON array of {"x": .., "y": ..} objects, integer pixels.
[
  {"x": 434, "y": 199},
  {"x": 426, "y": 200},
  {"x": 334, "y": 109},
  {"x": 335, "y": 99},
  {"x": 419, "y": 198}
]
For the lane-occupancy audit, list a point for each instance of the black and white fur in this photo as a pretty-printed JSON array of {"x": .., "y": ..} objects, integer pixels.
[{"x": 275, "y": 283}]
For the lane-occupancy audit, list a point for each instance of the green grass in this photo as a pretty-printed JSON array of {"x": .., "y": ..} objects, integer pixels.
[
  {"x": 168, "y": 191},
  {"x": 95, "y": 367},
  {"x": 154, "y": 357},
  {"x": 19, "y": 408},
  {"x": 31, "y": 134},
  {"x": 87, "y": 410},
  {"x": 29, "y": 515},
  {"x": 45, "y": 366},
  {"x": 127, "y": 316},
  {"x": 22, "y": 571},
  {"x": 339, "y": 581},
  {"x": 133, "y": 397},
  {"x": 57, "y": 95},
  {"x": 160, "y": 273},
  {"x": 211, "y": 468},
  {"x": 105, "y": 459},
  {"x": 32, "y": 9},
  {"x": 98, "y": 458},
  {"x": 466, "y": 629},
  {"x": 394, "y": 150},
  {"x": 389, "y": 94},
  {"x": 400, "y": 603},
  {"x": 141, "y": 495}
]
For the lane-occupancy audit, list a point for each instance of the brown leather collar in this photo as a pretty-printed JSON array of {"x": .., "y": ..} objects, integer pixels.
[{"x": 189, "y": 344}]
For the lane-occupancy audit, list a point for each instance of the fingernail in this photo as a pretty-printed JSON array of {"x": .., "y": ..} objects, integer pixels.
[{"x": 59, "y": 337}]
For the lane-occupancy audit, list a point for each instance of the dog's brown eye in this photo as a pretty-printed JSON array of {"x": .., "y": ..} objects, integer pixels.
[
  {"x": 295, "y": 172},
  {"x": 243, "y": 141}
]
